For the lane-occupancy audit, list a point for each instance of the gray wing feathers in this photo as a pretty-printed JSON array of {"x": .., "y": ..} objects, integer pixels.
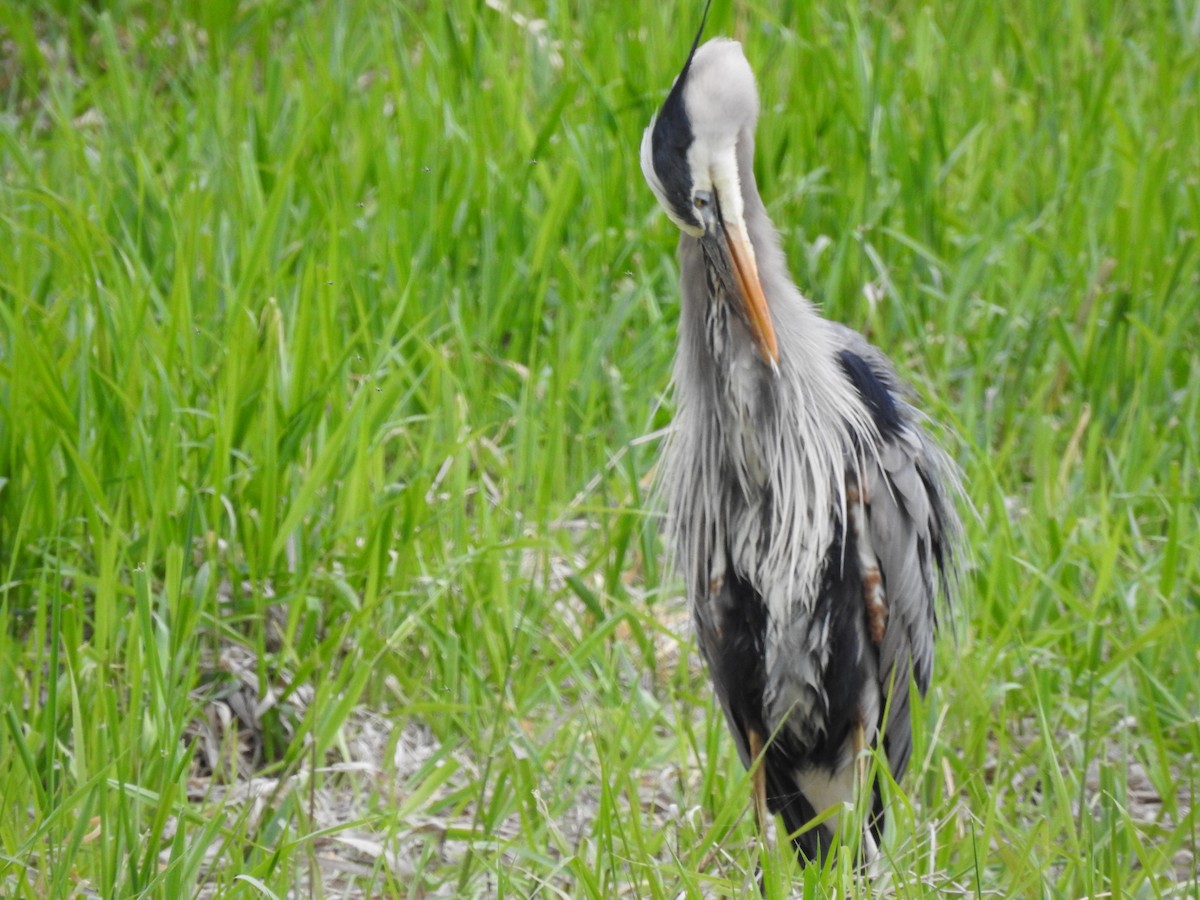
[{"x": 905, "y": 525}]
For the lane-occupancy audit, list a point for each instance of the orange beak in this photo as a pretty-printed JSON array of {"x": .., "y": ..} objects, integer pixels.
[{"x": 758, "y": 317}]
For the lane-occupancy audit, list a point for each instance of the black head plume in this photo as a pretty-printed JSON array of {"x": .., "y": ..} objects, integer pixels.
[
  {"x": 676, "y": 95},
  {"x": 696, "y": 39},
  {"x": 673, "y": 136}
]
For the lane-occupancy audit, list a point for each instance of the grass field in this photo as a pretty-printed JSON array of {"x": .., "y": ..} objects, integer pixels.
[{"x": 334, "y": 345}]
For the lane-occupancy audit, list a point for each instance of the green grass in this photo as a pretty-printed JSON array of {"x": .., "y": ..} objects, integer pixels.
[{"x": 328, "y": 333}]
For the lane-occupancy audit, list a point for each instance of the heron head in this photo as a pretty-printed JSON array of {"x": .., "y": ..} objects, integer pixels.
[{"x": 689, "y": 157}]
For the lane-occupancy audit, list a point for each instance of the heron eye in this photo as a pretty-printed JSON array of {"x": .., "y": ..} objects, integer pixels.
[{"x": 700, "y": 203}]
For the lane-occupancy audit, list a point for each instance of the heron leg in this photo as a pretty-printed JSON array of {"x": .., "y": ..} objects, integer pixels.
[
  {"x": 758, "y": 778},
  {"x": 758, "y": 781},
  {"x": 862, "y": 764},
  {"x": 859, "y": 739}
]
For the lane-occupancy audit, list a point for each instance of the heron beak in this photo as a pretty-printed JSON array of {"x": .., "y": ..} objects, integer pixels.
[{"x": 754, "y": 302}]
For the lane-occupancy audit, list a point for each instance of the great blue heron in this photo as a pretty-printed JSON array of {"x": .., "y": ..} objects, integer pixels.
[{"x": 811, "y": 515}]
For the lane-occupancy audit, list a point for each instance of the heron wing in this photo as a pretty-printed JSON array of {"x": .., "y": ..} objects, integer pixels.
[
  {"x": 902, "y": 530},
  {"x": 907, "y": 522}
]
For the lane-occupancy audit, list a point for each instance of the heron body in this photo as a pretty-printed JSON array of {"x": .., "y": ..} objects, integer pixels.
[{"x": 808, "y": 510}]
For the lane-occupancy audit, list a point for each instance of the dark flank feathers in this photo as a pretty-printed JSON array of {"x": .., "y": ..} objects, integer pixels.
[{"x": 732, "y": 636}]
